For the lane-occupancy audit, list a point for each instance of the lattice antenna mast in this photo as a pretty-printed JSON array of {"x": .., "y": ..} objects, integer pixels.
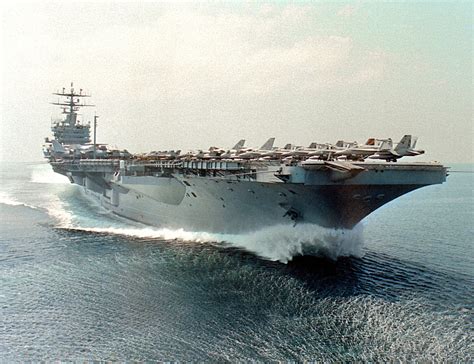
[{"x": 71, "y": 104}]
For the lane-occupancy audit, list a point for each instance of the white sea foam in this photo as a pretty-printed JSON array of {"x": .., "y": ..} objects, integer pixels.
[
  {"x": 57, "y": 210},
  {"x": 154, "y": 233},
  {"x": 283, "y": 242},
  {"x": 277, "y": 243},
  {"x": 44, "y": 174},
  {"x": 7, "y": 199}
]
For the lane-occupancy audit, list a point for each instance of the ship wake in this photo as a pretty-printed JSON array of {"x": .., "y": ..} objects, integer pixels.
[
  {"x": 283, "y": 242},
  {"x": 277, "y": 243},
  {"x": 7, "y": 199}
]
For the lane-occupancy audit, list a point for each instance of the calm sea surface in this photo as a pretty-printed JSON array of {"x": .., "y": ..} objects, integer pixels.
[{"x": 77, "y": 283}]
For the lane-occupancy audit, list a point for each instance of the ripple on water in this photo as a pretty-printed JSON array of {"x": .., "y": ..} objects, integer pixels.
[
  {"x": 109, "y": 297},
  {"x": 92, "y": 294}
]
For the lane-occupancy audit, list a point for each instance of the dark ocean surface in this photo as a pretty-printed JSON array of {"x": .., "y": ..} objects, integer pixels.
[{"x": 80, "y": 284}]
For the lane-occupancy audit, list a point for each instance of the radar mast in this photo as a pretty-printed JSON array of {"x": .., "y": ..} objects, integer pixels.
[
  {"x": 70, "y": 130},
  {"x": 71, "y": 104}
]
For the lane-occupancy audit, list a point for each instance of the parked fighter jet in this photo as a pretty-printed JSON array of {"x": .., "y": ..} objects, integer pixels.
[
  {"x": 166, "y": 154},
  {"x": 371, "y": 147},
  {"x": 322, "y": 151},
  {"x": 291, "y": 151},
  {"x": 406, "y": 147},
  {"x": 265, "y": 150},
  {"x": 232, "y": 153}
]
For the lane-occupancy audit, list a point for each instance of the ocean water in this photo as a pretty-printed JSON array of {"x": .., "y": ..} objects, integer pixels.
[{"x": 77, "y": 283}]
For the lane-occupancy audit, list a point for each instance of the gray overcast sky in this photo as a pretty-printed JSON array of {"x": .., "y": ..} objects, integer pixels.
[{"x": 188, "y": 76}]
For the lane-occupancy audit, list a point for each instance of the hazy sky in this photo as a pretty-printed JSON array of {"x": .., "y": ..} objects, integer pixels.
[{"x": 192, "y": 75}]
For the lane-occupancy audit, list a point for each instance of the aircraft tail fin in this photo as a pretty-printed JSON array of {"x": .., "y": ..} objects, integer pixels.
[
  {"x": 268, "y": 144},
  {"x": 404, "y": 144},
  {"x": 288, "y": 146},
  {"x": 57, "y": 147},
  {"x": 239, "y": 145},
  {"x": 386, "y": 144},
  {"x": 413, "y": 143}
]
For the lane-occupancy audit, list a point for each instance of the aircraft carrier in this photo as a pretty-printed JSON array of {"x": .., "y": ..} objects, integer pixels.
[{"x": 239, "y": 189}]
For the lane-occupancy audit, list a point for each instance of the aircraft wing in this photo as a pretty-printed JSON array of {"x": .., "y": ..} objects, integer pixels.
[{"x": 386, "y": 154}]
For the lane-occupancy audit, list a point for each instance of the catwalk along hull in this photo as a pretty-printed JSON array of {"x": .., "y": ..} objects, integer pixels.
[{"x": 315, "y": 193}]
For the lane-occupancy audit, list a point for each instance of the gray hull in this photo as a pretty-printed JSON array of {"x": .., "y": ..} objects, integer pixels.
[{"x": 215, "y": 204}]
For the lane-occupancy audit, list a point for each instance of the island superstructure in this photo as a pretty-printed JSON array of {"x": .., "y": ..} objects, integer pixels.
[{"x": 239, "y": 189}]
